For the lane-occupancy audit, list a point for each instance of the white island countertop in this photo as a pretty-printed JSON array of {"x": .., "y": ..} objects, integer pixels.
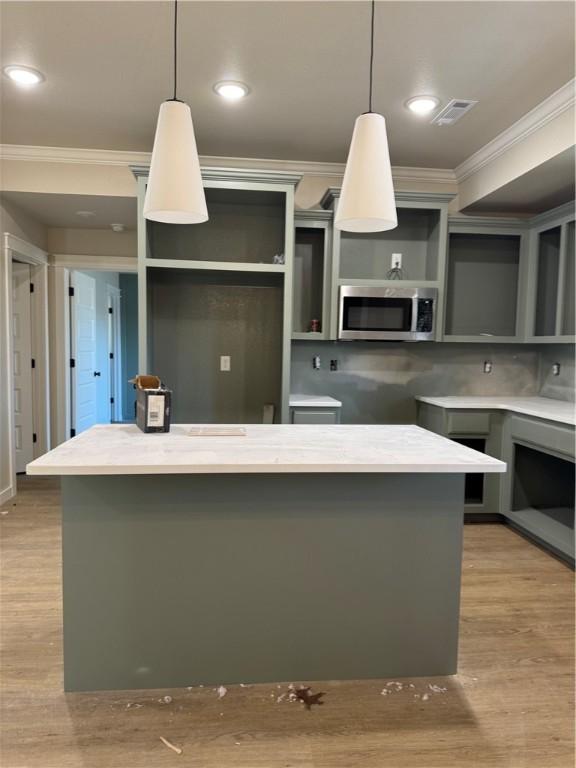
[
  {"x": 122, "y": 449},
  {"x": 539, "y": 407}
]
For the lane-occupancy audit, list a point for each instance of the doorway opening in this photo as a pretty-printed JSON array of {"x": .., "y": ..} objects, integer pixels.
[
  {"x": 103, "y": 332},
  {"x": 23, "y": 365}
]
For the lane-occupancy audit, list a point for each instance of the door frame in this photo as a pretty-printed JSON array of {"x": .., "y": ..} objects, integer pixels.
[
  {"x": 60, "y": 267},
  {"x": 113, "y": 299},
  {"x": 14, "y": 248}
]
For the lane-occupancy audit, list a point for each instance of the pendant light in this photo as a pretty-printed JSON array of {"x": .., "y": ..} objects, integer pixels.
[
  {"x": 367, "y": 197},
  {"x": 175, "y": 194}
]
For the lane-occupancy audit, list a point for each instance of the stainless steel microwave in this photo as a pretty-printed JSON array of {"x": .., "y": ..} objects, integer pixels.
[{"x": 387, "y": 314}]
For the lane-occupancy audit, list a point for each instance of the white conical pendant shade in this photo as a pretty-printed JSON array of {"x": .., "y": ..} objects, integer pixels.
[
  {"x": 367, "y": 198},
  {"x": 175, "y": 194}
]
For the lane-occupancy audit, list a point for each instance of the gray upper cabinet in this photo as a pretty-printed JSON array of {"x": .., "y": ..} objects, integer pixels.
[
  {"x": 221, "y": 292},
  {"x": 485, "y": 280},
  {"x": 550, "y": 315},
  {"x": 548, "y": 275},
  {"x": 255, "y": 218},
  {"x": 366, "y": 258},
  {"x": 311, "y": 275},
  {"x": 369, "y": 255}
]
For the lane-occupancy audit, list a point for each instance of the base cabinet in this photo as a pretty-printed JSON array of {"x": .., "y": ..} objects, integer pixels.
[
  {"x": 314, "y": 415},
  {"x": 536, "y": 494},
  {"x": 480, "y": 430}
]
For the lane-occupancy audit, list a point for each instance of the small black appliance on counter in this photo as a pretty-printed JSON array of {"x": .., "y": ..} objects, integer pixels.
[{"x": 153, "y": 404}]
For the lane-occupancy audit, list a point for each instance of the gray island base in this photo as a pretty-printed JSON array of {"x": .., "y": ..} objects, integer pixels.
[{"x": 207, "y": 577}]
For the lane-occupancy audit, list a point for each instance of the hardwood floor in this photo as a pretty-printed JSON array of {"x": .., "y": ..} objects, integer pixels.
[{"x": 509, "y": 707}]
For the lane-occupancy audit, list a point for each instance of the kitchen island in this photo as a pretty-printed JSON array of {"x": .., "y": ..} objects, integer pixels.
[{"x": 285, "y": 553}]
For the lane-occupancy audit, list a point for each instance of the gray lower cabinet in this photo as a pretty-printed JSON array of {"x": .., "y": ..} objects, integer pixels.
[
  {"x": 314, "y": 415},
  {"x": 480, "y": 430},
  {"x": 537, "y": 492}
]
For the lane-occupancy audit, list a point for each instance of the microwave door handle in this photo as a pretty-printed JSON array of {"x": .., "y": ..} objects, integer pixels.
[{"x": 414, "y": 323}]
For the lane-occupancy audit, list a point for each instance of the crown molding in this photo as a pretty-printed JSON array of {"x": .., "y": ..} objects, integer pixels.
[
  {"x": 557, "y": 103},
  {"x": 555, "y": 215},
  {"x": 233, "y": 174},
  {"x": 313, "y": 214},
  {"x": 141, "y": 161},
  {"x": 73, "y": 155},
  {"x": 423, "y": 175},
  {"x": 332, "y": 194},
  {"x": 462, "y": 224}
]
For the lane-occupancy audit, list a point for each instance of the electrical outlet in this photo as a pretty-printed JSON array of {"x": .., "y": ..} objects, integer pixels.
[
  {"x": 396, "y": 261},
  {"x": 555, "y": 369},
  {"x": 316, "y": 363},
  {"x": 224, "y": 362},
  {"x": 333, "y": 365},
  {"x": 487, "y": 366}
]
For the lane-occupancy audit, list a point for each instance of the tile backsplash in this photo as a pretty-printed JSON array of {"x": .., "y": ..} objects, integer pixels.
[{"x": 377, "y": 382}]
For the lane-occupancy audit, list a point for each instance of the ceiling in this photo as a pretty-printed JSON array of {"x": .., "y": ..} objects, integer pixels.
[
  {"x": 56, "y": 210},
  {"x": 108, "y": 67},
  {"x": 545, "y": 187}
]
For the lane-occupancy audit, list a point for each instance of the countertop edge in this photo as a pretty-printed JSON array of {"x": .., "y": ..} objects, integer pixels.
[
  {"x": 523, "y": 410},
  {"x": 268, "y": 469}
]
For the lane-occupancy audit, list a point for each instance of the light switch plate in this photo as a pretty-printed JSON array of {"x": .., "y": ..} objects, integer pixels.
[{"x": 224, "y": 362}]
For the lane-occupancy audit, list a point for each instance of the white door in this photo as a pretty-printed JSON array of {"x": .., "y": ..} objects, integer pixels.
[
  {"x": 22, "y": 330},
  {"x": 85, "y": 376}
]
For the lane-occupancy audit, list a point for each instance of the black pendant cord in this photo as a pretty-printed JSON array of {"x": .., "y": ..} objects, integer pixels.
[
  {"x": 371, "y": 56},
  {"x": 175, "y": 49}
]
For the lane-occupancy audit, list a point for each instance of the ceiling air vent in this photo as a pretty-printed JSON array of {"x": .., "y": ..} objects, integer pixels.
[{"x": 453, "y": 111}]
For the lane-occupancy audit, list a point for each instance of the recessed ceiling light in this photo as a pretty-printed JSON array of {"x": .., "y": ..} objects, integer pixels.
[
  {"x": 231, "y": 90},
  {"x": 422, "y": 105},
  {"x": 23, "y": 75},
  {"x": 85, "y": 214}
]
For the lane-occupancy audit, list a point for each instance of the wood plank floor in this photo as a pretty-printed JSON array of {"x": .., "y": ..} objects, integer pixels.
[{"x": 510, "y": 706}]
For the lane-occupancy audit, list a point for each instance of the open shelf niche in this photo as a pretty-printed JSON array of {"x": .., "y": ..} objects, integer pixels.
[
  {"x": 547, "y": 282},
  {"x": 245, "y": 226},
  {"x": 482, "y": 284},
  {"x": 369, "y": 256},
  {"x": 311, "y": 274},
  {"x": 543, "y": 497}
]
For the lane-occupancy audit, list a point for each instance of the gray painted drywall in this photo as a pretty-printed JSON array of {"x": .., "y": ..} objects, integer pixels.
[
  {"x": 244, "y": 226},
  {"x": 129, "y": 321},
  {"x": 377, "y": 382},
  {"x": 559, "y": 387},
  {"x": 482, "y": 272},
  {"x": 197, "y": 318}
]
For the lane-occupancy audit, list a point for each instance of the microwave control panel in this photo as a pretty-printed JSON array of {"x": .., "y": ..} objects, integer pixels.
[{"x": 425, "y": 316}]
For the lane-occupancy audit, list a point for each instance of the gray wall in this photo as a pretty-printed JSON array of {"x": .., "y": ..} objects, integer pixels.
[
  {"x": 193, "y": 320},
  {"x": 377, "y": 382},
  {"x": 129, "y": 321},
  {"x": 20, "y": 224},
  {"x": 560, "y": 387}
]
